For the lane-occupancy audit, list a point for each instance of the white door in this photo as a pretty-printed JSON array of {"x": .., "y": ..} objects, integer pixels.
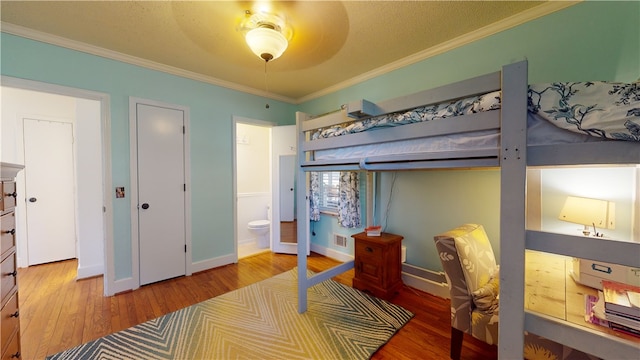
[
  {"x": 283, "y": 149},
  {"x": 49, "y": 187},
  {"x": 161, "y": 192},
  {"x": 287, "y": 186}
]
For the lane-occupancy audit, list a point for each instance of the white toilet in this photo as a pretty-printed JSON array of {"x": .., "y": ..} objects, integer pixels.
[{"x": 261, "y": 229}]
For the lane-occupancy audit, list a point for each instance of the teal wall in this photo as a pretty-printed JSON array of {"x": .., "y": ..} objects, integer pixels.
[
  {"x": 211, "y": 110},
  {"x": 588, "y": 41},
  {"x": 427, "y": 203},
  {"x": 597, "y": 40}
]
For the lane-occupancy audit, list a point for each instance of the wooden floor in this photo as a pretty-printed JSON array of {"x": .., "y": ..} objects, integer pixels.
[{"x": 57, "y": 312}]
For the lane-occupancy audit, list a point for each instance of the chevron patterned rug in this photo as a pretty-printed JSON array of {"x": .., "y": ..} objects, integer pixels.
[{"x": 260, "y": 321}]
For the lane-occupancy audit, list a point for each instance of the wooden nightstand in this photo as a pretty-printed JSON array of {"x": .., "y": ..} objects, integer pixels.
[{"x": 377, "y": 264}]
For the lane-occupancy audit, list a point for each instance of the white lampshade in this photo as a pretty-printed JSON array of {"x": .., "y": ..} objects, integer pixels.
[
  {"x": 588, "y": 212},
  {"x": 267, "y": 43}
]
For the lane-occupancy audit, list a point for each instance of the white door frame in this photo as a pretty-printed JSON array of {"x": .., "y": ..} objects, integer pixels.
[
  {"x": 275, "y": 214},
  {"x": 105, "y": 125},
  {"x": 133, "y": 160}
]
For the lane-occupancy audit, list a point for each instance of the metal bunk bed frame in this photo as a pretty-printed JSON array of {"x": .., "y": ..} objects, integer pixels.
[{"x": 513, "y": 157}]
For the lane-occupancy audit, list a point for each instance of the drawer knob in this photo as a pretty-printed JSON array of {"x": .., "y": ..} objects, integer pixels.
[
  {"x": 16, "y": 355},
  {"x": 14, "y": 194},
  {"x": 12, "y": 232},
  {"x": 368, "y": 249},
  {"x": 13, "y": 273},
  {"x": 15, "y": 314}
]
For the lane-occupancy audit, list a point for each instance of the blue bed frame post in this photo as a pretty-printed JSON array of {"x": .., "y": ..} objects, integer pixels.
[
  {"x": 302, "y": 192},
  {"x": 513, "y": 167}
]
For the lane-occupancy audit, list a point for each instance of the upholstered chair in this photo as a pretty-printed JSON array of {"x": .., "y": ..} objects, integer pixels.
[{"x": 473, "y": 278}]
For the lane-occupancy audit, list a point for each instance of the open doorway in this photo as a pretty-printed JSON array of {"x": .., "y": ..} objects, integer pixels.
[
  {"x": 258, "y": 148},
  {"x": 253, "y": 187},
  {"x": 87, "y": 112}
]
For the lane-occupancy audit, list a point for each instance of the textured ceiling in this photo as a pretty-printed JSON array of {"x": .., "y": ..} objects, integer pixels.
[{"x": 334, "y": 42}]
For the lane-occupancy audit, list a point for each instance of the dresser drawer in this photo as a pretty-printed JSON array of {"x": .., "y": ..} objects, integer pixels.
[
  {"x": 10, "y": 323},
  {"x": 7, "y": 233},
  {"x": 8, "y": 276},
  {"x": 12, "y": 351},
  {"x": 8, "y": 195}
]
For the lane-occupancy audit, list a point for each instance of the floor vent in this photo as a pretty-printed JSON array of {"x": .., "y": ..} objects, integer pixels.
[{"x": 339, "y": 240}]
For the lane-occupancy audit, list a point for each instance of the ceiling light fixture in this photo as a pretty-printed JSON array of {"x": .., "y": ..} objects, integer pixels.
[{"x": 265, "y": 34}]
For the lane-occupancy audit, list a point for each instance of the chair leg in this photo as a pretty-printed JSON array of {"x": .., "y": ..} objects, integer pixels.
[{"x": 456, "y": 343}]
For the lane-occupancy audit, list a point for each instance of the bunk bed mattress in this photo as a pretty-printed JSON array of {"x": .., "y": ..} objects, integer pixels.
[{"x": 557, "y": 113}]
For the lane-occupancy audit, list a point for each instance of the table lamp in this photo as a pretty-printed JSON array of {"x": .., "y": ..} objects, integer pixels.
[{"x": 589, "y": 213}]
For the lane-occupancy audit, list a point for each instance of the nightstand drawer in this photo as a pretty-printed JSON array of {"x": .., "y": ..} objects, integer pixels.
[{"x": 369, "y": 250}]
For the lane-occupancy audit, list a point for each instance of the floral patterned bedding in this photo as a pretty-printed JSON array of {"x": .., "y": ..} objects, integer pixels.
[{"x": 599, "y": 109}]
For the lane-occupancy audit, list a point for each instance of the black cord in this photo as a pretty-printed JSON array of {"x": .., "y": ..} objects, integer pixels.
[{"x": 386, "y": 214}]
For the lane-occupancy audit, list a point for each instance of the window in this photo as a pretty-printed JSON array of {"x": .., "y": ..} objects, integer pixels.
[{"x": 329, "y": 191}]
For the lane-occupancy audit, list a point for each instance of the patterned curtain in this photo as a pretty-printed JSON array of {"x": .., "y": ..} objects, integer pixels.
[
  {"x": 314, "y": 201},
  {"x": 349, "y": 201}
]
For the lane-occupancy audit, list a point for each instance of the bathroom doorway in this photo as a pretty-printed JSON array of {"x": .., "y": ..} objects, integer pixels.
[
  {"x": 258, "y": 147},
  {"x": 253, "y": 187}
]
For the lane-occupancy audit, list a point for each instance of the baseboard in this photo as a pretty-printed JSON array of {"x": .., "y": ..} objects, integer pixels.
[
  {"x": 129, "y": 284},
  {"x": 89, "y": 271},
  {"x": 331, "y": 253},
  {"x": 428, "y": 286},
  {"x": 422, "y": 279},
  {"x": 429, "y": 281},
  {"x": 213, "y": 263}
]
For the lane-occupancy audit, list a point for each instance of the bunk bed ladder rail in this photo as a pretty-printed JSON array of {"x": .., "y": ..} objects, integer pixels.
[{"x": 512, "y": 209}]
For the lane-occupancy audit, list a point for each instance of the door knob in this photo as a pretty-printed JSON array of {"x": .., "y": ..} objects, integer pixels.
[
  {"x": 32, "y": 199},
  {"x": 145, "y": 206}
]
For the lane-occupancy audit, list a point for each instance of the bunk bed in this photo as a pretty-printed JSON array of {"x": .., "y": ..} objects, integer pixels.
[{"x": 504, "y": 138}]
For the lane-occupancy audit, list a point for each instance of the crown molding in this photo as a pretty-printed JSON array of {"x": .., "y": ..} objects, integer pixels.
[
  {"x": 114, "y": 55},
  {"x": 508, "y": 23}
]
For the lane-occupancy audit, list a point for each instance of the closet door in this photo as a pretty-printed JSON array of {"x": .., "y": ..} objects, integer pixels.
[
  {"x": 161, "y": 193},
  {"x": 49, "y": 186}
]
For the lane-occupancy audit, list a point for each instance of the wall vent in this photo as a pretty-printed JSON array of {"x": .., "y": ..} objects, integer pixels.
[{"x": 339, "y": 240}]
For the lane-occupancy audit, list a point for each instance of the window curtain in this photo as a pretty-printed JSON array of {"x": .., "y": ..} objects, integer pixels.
[
  {"x": 314, "y": 201},
  {"x": 349, "y": 201}
]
